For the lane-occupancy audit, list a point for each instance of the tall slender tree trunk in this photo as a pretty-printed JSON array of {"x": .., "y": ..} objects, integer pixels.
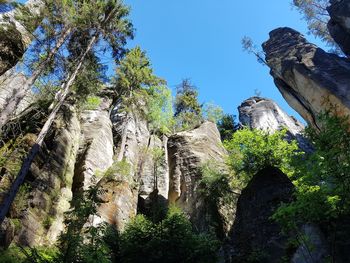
[
  {"x": 6, "y": 204},
  {"x": 15, "y": 99}
]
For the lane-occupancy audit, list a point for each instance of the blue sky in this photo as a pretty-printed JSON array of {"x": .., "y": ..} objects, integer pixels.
[{"x": 201, "y": 40}]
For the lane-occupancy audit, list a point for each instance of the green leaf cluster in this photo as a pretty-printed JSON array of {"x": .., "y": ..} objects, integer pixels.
[
  {"x": 322, "y": 176},
  {"x": 252, "y": 150},
  {"x": 171, "y": 240}
]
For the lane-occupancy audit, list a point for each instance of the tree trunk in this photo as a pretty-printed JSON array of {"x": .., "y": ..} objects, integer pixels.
[
  {"x": 6, "y": 204},
  {"x": 13, "y": 101}
]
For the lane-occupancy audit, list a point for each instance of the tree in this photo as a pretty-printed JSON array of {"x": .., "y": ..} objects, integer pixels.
[
  {"x": 143, "y": 92},
  {"x": 188, "y": 111},
  {"x": 144, "y": 241},
  {"x": 322, "y": 180},
  {"x": 252, "y": 150},
  {"x": 227, "y": 126},
  {"x": 108, "y": 23},
  {"x": 212, "y": 112},
  {"x": 316, "y": 15}
]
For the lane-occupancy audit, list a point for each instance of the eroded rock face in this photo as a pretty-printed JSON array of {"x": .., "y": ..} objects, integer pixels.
[
  {"x": 265, "y": 114},
  {"x": 309, "y": 78},
  {"x": 339, "y": 24},
  {"x": 96, "y": 145},
  {"x": 119, "y": 202},
  {"x": 188, "y": 151},
  {"x": 52, "y": 176},
  {"x": 15, "y": 36},
  {"x": 254, "y": 235}
]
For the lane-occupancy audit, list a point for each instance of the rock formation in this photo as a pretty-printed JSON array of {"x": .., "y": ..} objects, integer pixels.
[
  {"x": 15, "y": 35},
  {"x": 265, "y": 114},
  {"x": 339, "y": 25},
  {"x": 188, "y": 151},
  {"x": 310, "y": 79},
  {"x": 254, "y": 235}
]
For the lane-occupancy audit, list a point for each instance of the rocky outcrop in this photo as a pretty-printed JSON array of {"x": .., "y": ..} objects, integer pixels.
[
  {"x": 50, "y": 182},
  {"x": 96, "y": 145},
  {"x": 310, "y": 79},
  {"x": 339, "y": 23},
  {"x": 188, "y": 151},
  {"x": 255, "y": 238},
  {"x": 16, "y": 35},
  {"x": 265, "y": 114}
]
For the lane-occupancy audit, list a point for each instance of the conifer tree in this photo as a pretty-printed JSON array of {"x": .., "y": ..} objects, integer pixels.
[{"x": 105, "y": 20}]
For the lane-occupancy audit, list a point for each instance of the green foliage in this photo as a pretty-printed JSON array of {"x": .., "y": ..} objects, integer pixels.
[
  {"x": 227, "y": 126},
  {"x": 252, "y": 150},
  {"x": 92, "y": 103},
  {"x": 321, "y": 177},
  {"x": 160, "y": 109},
  {"x": 188, "y": 111},
  {"x": 143, "y": 92},
  {"x": 218, "y": 193},
  {"x": 120, "y": 170},
  {"x": 135, "y": 73},
  {"x": 144, "y": 241},
  {"x": 83, "y": 242},
  {"x": 212, "y": 112}
]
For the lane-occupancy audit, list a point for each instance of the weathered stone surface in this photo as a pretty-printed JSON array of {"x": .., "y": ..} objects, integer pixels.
[
  {"x": 188, "y": 151},
  {"x": 155, "y": 173},
  {"x": 339, "y": 23},
  {"x": 131, "y": 139},
  {"x": 15, "y": 36},
  {"x": 309, "y": 78},
  {"x": 119, "y": 202},
  {"x": 7, "y": 233},
  {"x": 96, "y": 145},
  {"x": 253, "y": 234},
  {"x": 265, "y": 114},
  {"x": 315, "y": 248},
  {"x": 51, "y": 180}
]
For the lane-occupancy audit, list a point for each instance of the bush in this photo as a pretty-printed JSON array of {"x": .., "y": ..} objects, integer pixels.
[
  {"x": 171, "y": 240},
  {"x": 252, "y": 150}
]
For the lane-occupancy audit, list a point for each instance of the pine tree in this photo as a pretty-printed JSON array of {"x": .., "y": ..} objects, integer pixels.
[
  {"x": 188, "y": 111},
  {"x": 106, "y": 20}
]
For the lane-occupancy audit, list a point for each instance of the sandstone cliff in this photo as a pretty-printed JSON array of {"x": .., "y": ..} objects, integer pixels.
[{"x": 310, "y": 79}]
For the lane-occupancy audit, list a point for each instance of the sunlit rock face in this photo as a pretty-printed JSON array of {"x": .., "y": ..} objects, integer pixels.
[
  {"x": 339, "y": 24},
  {"x": 188, "y": 151},
  {"x": 265, "y": 114},
  {"x": 310, "y": 79},
  {"x": 96, "y": 144}
]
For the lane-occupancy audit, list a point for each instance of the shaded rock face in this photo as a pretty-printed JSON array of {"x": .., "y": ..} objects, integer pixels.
[
  {"x": 254, "y": 235},
  {"x": 339, "y": 24},
  {"x": 187, "y": 152},
  {"x": 309, "y": 78},
  {"x": 265, "y": 114},
  {"x": 15, "y": 37},
  {"x": 52, "y": 177}
]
